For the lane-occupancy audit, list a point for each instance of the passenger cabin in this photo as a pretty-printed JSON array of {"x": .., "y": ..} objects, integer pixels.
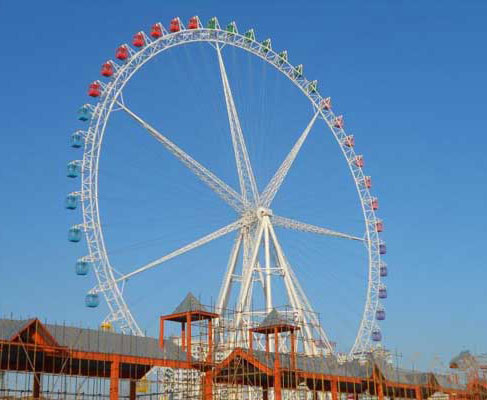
[
  {"x": 232, "y": 27},
  {"x": 71, "y": 202},
  {"x": 94, "y": 89},
  {"x": 92, "y": 300},
  {"x": 339, "y": 123},
  {"x": 282, "y": 57},
  {"x": 380, "y": 314},
  {"x": 379, "y": 225},
  {"x": 122, "y": 52},
  {"x": 138, "y": 40},
  {"x": 107, "y": 69},
  {"x": 212, "y": 23},
  {"x": 175, "y": 25},
  {"x": 74, "y": 234},
  {"x": 349, "y": 141},
  {"x": 82, "y": 267},
  {"x": 84, "y": 113},
  {"x": 266, "y": 46},
  {"x": 326, "y": 104},
  {"x": 376, "y": 335},
  {"x": 156, "y": 31},
  {"x": 382, "y": 248},
  {"x": 374, "y": 203},
  {"x": 359, "y": 161},
  {"x": 382, "y": 292},
  {"x": 73, "y": 169},
  {"x": 76, "y": 140},
  {"x": 194, "y": 23},
  {"x": 367, "y": 182},
  {"x": 383, "y": 270}
]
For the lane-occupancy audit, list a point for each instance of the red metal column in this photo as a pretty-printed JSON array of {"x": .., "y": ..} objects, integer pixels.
[
  {"x": 277, "y": 369},
  {"x": 36, "y": 386},
  {"x": 161, "y": 333},
  {"x": 208, "y": 386},
  {"x": 418, "y": 392},
  {"x": 114, "y": 377},
  {"x": 188, "y": 347},
  {"x": 183, "y": 336},
  {"x": 334, "y": 390},
  {"x": 210, "y": 340},
  {"x": 380, "y": 390},
  {"x": 133, "y": 390}
]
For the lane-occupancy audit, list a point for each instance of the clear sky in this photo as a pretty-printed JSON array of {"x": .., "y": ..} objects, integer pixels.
[{"x": 409, "y": 76}]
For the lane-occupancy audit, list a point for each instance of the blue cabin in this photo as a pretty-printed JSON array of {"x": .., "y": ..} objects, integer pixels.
[
  {"x": 76, "y": 139},
  {"x": 376, "y": 335},
  {"x": 92, "y": 300},
  {"x": 383, "y": 270},
  {"x": 71, "y": 201},
  {"x": 74, "y": 169},
  {"x": 84, "y": 113},
  {"x": 82, "y": 267},
  {"x": 74, "y": 234},
  {"x": 380, "y": 314},
  {"x": 382, "y": 292},
  {"x": 382, "y": 248}
]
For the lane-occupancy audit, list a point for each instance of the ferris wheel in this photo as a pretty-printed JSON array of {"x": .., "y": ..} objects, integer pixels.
[{"x": 257, "y": 257}]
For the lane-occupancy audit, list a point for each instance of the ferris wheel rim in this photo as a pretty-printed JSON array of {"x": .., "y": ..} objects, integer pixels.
[{"x": 91, "y": 155}]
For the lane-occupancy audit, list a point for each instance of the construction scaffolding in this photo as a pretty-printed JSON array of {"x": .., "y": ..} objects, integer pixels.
[{"x": 207, "y": 359}]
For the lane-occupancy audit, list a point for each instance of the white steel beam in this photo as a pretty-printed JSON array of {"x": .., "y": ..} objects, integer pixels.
[
  {"x": 229, "y": 195},
  {"x": 275, "y": 183},
  {"x": 227, "y": 280},
  {"x": 303, "y": 227},
  {"x": 246, "y": 177},
  {"x": 191, "y": 246}
]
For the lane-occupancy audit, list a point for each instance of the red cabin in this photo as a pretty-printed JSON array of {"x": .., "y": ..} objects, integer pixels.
[
  {"x": 379, "y": 225},
  {"x": 122, "y": 52},
  {"x": 326, "y": 104},
  {"x": 94, "y": 89},
  {"x": 339, "y": 123},
  {"x": 367, "y": 182},
  {"x": 138, "y": 40},
  {"x": 107, "y": 69},
  {"x": 193, "y": 23},
  {"x": 349, "y": 141},
  {"x": 175, "y": 25},
  {"x": 156, "y": 30},
  {"x": 374, "y": 203},
  {"x": 359, "y": 161}
]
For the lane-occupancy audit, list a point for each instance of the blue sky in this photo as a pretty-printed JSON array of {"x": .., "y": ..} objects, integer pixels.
[{"x": 409, "y": 76}]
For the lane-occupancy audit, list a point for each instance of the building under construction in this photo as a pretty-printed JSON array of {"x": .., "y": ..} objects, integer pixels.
[{"x": 206, "y": 360}]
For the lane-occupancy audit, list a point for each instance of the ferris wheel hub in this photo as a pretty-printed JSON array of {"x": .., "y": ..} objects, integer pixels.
[{"x": 263, "y": 212}]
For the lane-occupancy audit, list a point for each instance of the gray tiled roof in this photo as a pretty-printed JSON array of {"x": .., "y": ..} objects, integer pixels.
[
  {"x": 274, "y": 318},
  {"x": 313, "y": 364},
  {"x": 92, "y": 340},
  {"x": 445, "y": 381},
  {"x": 190, "y": 303},
  {"x": 9, "y": 327}
]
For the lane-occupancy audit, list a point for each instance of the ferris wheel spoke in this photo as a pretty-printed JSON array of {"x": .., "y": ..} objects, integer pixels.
[
  {"x": 246, "y": 177},
  {"x": 275, "y": 183},
  {"x": 191, "y": 246},
  {"x": 229, "y": 195},
  {"x": 303, "y": 227}
]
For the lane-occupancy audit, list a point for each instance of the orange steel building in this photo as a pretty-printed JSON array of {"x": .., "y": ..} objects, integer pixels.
[{"x": 55, "y": 361}]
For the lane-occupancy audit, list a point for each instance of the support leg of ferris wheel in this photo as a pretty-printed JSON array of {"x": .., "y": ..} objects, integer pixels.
[
  {"x": 268, "y": 289},
  {"x": 299, "y": 300},
  {"x": 226, "y": 287},
  {"x": 247, "y": 278}
]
